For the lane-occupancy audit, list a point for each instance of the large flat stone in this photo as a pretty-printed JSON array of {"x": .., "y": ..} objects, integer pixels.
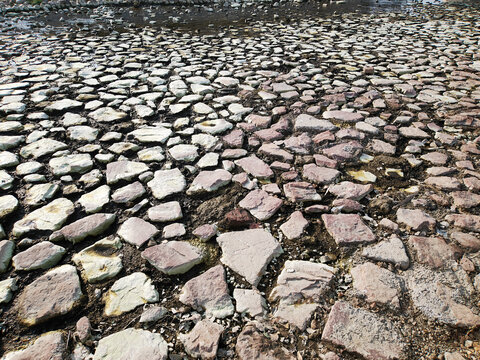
[
  {"x": 124, "y": 170},
  {"x": 136, "y": 231},
  {"x": 167, "y": 182},
  {"x": 91, "y": 225},
  {"x": 129, "y": 292},
  {"x": 50, "y": 217},
  {"x": 443, "y": 296},
  {"x": 48, "y": 346},
  {"x": 209, "y": 181},
  {"x": 53, "y": 294},
  {"x": 209, "y": 292},
  {"x": 249, "y": 252},
  {"x": 173, "y": 257},
  {"x": 363, "y": 332},
  {"x": 100, "y": 261},
  {"x": 202, "y": 341},
  {"x": 130, "y": 344},
  {"x": 348, "y": 229},
  {"x": 260, "y": 204}
]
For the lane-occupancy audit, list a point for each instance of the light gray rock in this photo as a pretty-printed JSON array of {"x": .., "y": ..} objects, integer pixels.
[
  {"x": 390, "y": 251},
  {"x": 99, "y": 261},
  {"x": 250, "y": 302},
  {"x": 167, "y": 182},
  {"x": 209, "y": 181},
  {"x": 136, "y": 231},
  {"x": 7, "y": 287},
  {"x": 249, "y": 252},
  {"x": 124, "y": 170},
  {"x": 169, "y": 211},
  {"x": 94, "y": 201},
  {"x": 129, "y": 292},
  {"x": 152, "y": 134},
  {"x": 8, "y": 204},
  {"x": 132, "y": 344},
  {"x": 42, "y": 147},
  {"x": 49, "y": 217},
  {"x": 71, "y": 164}
]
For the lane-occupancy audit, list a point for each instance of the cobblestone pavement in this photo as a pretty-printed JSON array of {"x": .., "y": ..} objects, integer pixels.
[{"x": 283, "y": 190}]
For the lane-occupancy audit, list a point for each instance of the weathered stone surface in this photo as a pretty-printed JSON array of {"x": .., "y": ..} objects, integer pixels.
[
  {"x": 95, "y": 200},
  {"x": 43, "y": 255},
  {"x": 443, "y": 296},
  {"x": 249, "y": 252},
  {"x": 7, "y": 287},
  {"x": 309, "y": 123},
  {"x": 465, "y": 221},
  {"x": 42, "y": 147},
  {"x": 6, "y": 252},
  {"x": 363, "y": 332},
  {"x": 136, "y": 231},
  {"x": 173, "y": 257},
  {"x": 319, "y": 175},
  {"x": 48, "y": 346},
  {"x": 254, "y": 166},
  {"x": 294, "y": 227},
  {"x": 53, "y": 294},
  {"x": 377, "y": 285},
  {"x": 250, "y": 302},
  {"x": 129, "y": 292},
  {"x": 124, "y": 170},
  {"x": 203, "y": 340},
  {"x": 300, "y": 287},
  {"x": 169, "y": 211},
  {"x": 209, "y": 292},
  {"x": 390, "y": 251},
  {"x": 107, "y": 115},
  {"x": 302, "y": 281},
  {"x": 300, "y": 192},
  {"x": 132, "y": 344},
  {"x": 416, "y": 219},
  {"x": 91, "y": 225},
  {"x": 253, "y": 344},
  {"x": 152, "y": 134},
  {"x": 209, "y": 181},
  {"x": 50, "y": 217},
  {"x": 167, "y": 182},
  {"x": 100, "y": 261},
  {"x": 71, "y": 164},
  {"x": 128, "y": 193},
  {"x": 434, "y": 251},
  {"x": 260, "y": 204},
  {"x": 8, "y": 204},
  {"x": 348, "y": 229},
  {"x": 444, "y": 183}
]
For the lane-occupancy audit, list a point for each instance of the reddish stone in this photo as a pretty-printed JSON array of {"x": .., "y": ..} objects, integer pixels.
[
  {"x": 467, "y": 241},
  {"x": 348, "y": 229},
  {"x": 434, "y": 251},
  {"x": 300, "y": 191},
  {"x": 416, "y": 219},
  {"x": 237, "y": 219},
  {"x": 345, "y": 151},
  {"x": 319, "y": 175}
]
